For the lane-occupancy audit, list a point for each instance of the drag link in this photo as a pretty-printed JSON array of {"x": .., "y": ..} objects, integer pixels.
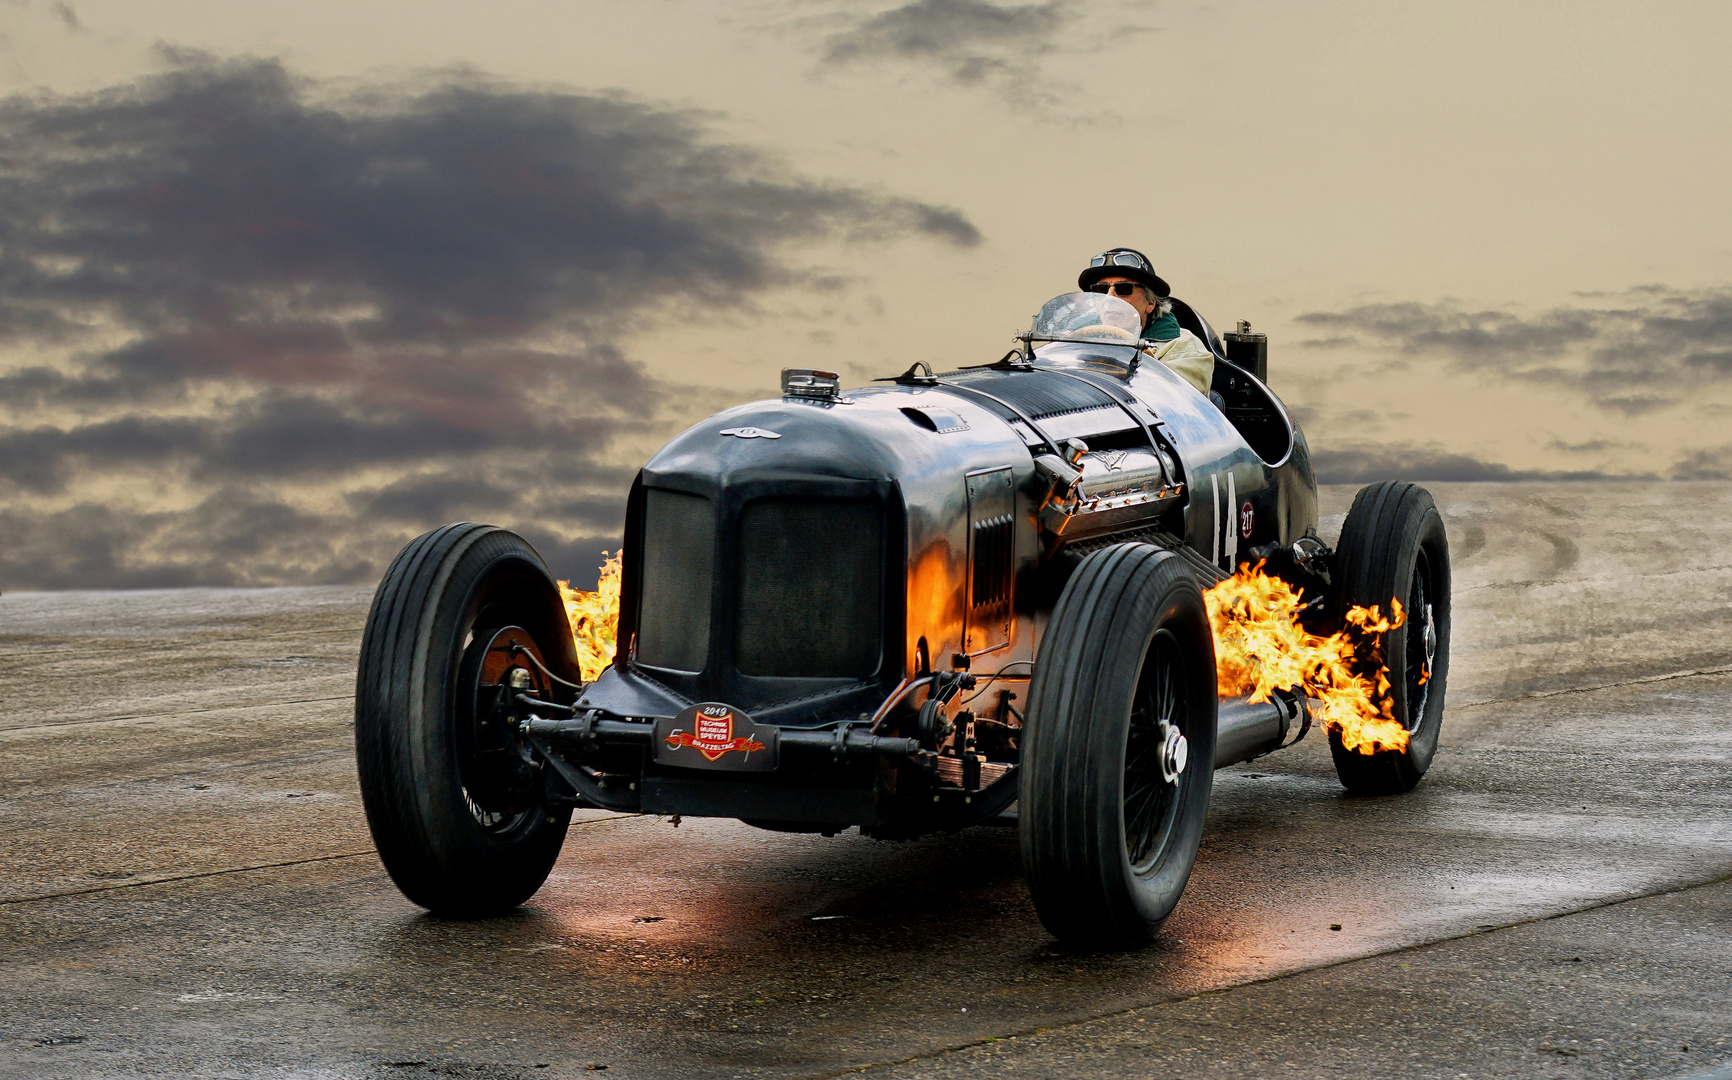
[
  {"x": 546, "y": 706},
  {"x": 845, "y": 741},
  {"x": 586, "y": 728}
]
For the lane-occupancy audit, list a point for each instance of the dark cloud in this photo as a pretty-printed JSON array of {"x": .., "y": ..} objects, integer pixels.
[
  {"x": 1369, "y": 463},
  {"x": 224, "y": 208},
  {"x": 1712, "y": 464},
  {"x": 434, "y": 498},
  {"x": 1632, "y": 353},
  {"x": 970, "y": 39},
  {"x": 396, "y": 300},
  {"x": 1593, "y": 446},
  {"x": 42, "y": 459},
  {"x": 977, "y": 42}
]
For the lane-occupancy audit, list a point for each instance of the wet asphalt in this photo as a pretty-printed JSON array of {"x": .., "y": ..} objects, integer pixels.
[{"x": 187, "y": 887}]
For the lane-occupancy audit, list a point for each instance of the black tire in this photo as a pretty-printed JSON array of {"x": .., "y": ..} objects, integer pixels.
[
  {"x": 1393, "y": 546},
  {"x": 457, "y": 835},
  {"x": 1107, "y": 841}
]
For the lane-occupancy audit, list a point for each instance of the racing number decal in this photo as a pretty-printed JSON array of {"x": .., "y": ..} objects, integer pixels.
[
  {"x": 1229, "y": 524},
  {"x": 1230, "y": 535},
  {"x": 1215, "y": 514}
]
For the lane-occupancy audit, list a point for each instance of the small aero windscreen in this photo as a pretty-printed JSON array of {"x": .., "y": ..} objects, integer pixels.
[
  {"x": 678, "y": 551},
  {"x": 810, "y": 589}
]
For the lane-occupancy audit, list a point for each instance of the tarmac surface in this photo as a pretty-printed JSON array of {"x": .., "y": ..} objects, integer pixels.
[{"x": 187, "y": 887}]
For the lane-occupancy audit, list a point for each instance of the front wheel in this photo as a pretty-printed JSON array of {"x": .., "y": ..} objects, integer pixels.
[
  {"x": 1119, "y": 748},
  {"x": 454, "y": 798}
]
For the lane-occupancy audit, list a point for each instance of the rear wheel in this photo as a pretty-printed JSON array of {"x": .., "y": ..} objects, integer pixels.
[
  {"x": 1393, "y": 546},
  {"x": 1118, "y": 752},
  {"x": 453, "y": 796}
]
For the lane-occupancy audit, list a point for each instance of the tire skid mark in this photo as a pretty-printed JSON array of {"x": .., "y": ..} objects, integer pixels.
[
  {"x": 1642, "y": 680},
  {"x": 6, "y": 733},
  {"x": 169, "y": 879},
  {"x": 1622, "y": 582},
  {"x": 208, "y": 770},
  {"x": 164, "y": 643}
]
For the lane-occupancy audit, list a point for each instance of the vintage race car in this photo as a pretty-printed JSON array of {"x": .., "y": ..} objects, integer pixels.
[{"x": 951, "y": 599}]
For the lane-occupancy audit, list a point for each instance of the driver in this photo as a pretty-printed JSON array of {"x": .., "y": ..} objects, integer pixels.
[{"x": 1127, "y": 274}]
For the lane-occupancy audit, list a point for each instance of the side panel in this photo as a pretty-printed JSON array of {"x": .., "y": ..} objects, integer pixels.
[
  {"x": 991, "y": 559},
  {"x": 971, "y": 533},
  {"x": 1232, "y": 501}
]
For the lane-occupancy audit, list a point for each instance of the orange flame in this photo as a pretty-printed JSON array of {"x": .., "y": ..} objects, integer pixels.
[
  {"x": 1260, "y": 647},
  {"x": 594, "y": 618}
]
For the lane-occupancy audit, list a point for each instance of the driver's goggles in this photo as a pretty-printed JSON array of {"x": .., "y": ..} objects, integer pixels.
[
  {"x": 1120, "y": 258},
  {"x": 1118, "y": 288}
]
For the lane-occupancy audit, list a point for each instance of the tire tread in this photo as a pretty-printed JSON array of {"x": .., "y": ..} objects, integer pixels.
[
  {"x": 402, "y": 729},
  {"x": 1072, "y": 849},
  {"x": 1389, "y": 522}
]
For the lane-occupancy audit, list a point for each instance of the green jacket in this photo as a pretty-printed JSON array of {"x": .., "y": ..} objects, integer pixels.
[{"x": 1163, "y": 328}]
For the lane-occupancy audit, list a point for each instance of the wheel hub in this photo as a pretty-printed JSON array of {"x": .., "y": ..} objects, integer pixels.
[
  {"x": 501, "y": 776},
  {"x": 1175, "y": 752},
  {"x": 1421, "y": 647}
]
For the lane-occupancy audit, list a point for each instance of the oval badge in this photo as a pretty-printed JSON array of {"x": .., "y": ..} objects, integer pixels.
[
  {"x": 1246, "y": 517},
  {"x": 751, "y": 433}
]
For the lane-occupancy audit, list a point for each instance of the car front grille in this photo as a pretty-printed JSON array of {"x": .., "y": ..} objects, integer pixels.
[
  {"x": 810, "y": 588},
  {"x": 679, "y": 551}
]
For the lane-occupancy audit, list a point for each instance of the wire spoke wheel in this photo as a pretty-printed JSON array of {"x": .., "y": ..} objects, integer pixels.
[
  {"x": 1118, "y": 749},
  {"x": 1152, "y": 795},
  {"x": 1421, "y": 645}
]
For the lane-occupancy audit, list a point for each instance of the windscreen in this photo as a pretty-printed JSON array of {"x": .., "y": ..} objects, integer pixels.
[{"x": 1091, "y": 316}]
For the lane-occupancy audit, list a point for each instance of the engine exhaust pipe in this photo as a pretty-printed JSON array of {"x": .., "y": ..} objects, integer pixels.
[{"x": 1244, "y": 731}]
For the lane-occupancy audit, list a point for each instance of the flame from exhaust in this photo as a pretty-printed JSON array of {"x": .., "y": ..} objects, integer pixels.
[
  {"x": 595, "y": 618},
  {"x": 1260, "y": 647}
]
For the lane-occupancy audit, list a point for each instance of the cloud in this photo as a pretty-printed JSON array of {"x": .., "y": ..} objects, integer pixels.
[
  {"x": 1368, "y": 463},
  {"x": 1709, "y": 464},
  {"x": 1636, "y": 352},
  {"x": 977, "y": 43},
  {"x": 1594, "y": 446},
  {"x": 41, "y": 459},
  {"x": 318, "y": 322},
  {"x": 58, "y": 10},
  {"x": 970, "y": 39}
]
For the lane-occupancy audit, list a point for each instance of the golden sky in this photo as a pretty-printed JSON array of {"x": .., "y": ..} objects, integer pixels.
[{"x": 287, "y": 283}]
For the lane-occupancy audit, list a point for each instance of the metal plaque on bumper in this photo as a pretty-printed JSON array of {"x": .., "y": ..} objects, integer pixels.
[{"x": 711, "y": 735}]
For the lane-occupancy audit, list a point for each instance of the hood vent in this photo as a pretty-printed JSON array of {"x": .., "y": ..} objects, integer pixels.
[{"x": 1040, "y": 394}]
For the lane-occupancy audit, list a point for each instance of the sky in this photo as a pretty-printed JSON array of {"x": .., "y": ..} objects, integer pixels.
[{"x": 283, "y": 285}]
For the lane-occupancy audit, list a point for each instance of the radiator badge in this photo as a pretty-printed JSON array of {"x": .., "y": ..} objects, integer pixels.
[
  {"x": 751, "y": 433},
  {"x": 702, "y": 735},
  {"x": 1246, "y": 517}
]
